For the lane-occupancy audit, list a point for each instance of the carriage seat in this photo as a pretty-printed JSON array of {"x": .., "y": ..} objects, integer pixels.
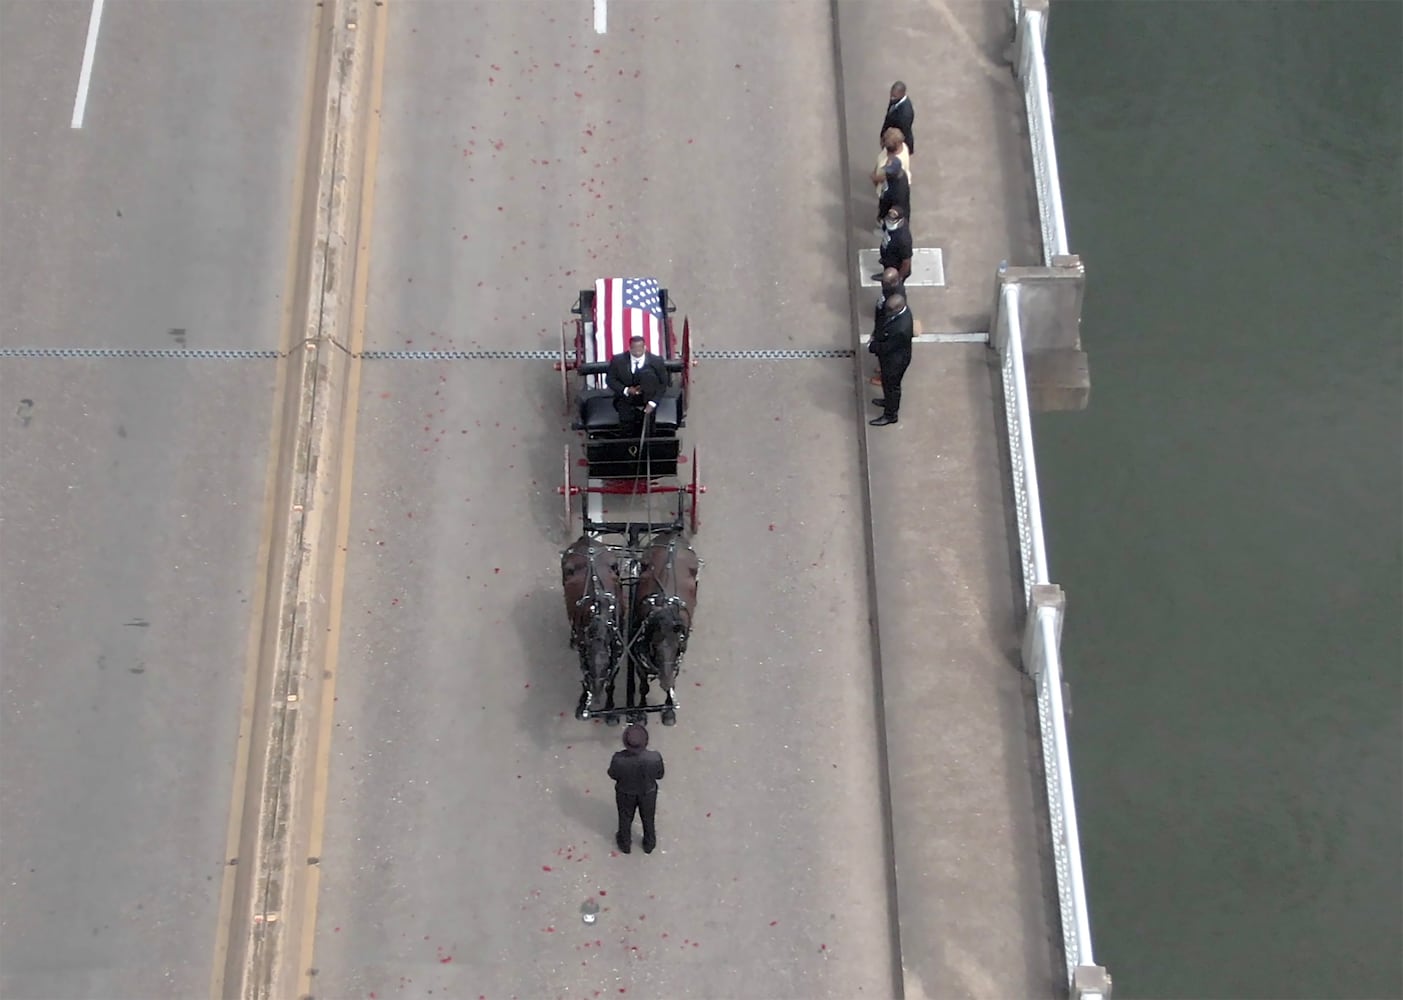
[
  {"x": 597, "y": 413},
  {"x": 587, "y": 368}
]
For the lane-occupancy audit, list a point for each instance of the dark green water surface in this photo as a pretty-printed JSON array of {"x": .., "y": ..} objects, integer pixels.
[{"x": 1227, "y": 517}]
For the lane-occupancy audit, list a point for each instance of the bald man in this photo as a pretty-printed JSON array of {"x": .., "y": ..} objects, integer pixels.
[
  {"x": 892, "y": 345},
  {"x": 900, "y": 115},
  {"x": 891, "y": 284}
]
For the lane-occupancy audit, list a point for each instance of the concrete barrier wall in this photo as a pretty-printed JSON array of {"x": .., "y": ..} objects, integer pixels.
[
  {"x": 1042, "y": 645},
  {"x": 1036, "y": 329},
  {"x": 1058, "y": 374}
]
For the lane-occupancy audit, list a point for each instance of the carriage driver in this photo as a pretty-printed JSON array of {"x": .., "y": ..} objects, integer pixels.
[{"x": 637, "y": 379}]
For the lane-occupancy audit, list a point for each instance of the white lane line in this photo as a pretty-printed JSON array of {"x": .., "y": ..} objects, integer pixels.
[
  {"x": 85, "y": 76},
  {"x": 601, "y": 16}
]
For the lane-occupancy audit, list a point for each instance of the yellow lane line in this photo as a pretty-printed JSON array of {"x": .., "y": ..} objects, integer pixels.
[
  {"x": 290, "y": 333},
  {"x": 321, "y": 767}
]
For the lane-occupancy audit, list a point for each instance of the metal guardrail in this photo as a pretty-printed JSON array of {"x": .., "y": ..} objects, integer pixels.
[
  {"x": 1042, "y": 656},
  {"x": 1030, "y": 37}
]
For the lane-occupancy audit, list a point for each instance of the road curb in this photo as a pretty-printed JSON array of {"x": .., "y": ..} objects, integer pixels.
[
  {"x": 272, "y": 847},
  {"x": 860, "y": 355}
]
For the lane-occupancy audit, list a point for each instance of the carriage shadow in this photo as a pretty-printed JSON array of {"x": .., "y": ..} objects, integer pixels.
[{"x": 547, "y": 471}]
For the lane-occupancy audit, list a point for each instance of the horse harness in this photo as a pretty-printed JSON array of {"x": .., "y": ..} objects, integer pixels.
[
  {"x": 593, "y": 598},
  {"x": 658, "y": 604}
]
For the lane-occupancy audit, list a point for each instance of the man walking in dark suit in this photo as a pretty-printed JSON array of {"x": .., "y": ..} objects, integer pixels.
[
  {"x": 900, "y": 115},
  {"x": 892, "y": 345},
  {"x": 636, "y": 771},
  {"x": 637, "y": 379},
  {"x": 896, "y": 244}
]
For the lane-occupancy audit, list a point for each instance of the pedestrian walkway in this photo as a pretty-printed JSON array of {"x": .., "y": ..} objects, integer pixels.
[{"x": 975, "y": 883}]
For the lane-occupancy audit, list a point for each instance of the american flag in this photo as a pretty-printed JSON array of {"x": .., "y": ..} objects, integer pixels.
[{"x": 624, "y": 307}]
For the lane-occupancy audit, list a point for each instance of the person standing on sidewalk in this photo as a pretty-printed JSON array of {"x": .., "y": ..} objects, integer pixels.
[
  {"x": 900, "y": 115},
  {"x": 896, "y": 191},
  {"x": 896, "y": 244},
  {"x": 892, "y": 345},
  {"x": 636, "y": 771},
  {"x": 893, "y": 144},
  {"x": 891, "y": 285}
]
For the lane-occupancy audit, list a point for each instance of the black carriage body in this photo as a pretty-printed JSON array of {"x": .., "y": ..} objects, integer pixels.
[{"x": 630, "y": 458}]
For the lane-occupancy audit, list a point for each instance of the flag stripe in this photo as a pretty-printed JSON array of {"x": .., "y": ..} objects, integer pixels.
[{"x": 615, "y": 322}]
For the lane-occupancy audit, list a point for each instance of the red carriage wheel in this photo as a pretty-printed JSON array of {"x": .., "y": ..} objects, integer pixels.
[
  {"x": 696, "y": 490},
  {"x": 564, "y": 370},
  {"x": 568, "y": 489},
  {"x": 686, "y": 358}
]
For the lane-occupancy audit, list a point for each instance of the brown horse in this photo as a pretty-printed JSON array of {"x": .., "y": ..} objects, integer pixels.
[
  {"x": 593, "y": 603},
  {"x": 664, "y": 600}
]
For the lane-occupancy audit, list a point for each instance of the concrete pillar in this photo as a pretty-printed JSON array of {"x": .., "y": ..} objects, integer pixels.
[
  {"x": 1020, "y": 45},
  {"x": 1091, "y": 981},
  {"x": 1049, "y": 303},
  {"x": 1049, "y": 311},
  {"x": 1058, "y": 380},
  {"x": 1045, "y": 595}
]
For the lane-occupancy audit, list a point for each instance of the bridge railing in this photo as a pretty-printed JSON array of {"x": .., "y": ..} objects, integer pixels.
[
  {"x": 1042, "y": 647},
  {"x": 1030, "y": 37}
]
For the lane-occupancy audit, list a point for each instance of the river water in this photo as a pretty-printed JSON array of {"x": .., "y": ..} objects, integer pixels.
[{"x": 1227, "y": 516}]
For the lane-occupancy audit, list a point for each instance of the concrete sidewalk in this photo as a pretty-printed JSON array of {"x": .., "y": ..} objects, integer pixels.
[{"x": 976, "y": 891}]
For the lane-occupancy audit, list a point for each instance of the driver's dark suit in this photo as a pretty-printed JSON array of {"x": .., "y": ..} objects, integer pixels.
[{"x": 652, "y": 377}]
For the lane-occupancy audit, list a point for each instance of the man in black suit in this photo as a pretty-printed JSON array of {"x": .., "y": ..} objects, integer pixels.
[
  {"x": 891, "y": 285},
  {"x": 892, "y": 345},
  {"x": 896, "y": 191},
  {"x": 896, "y": 244},
  {"x": 637, "y": 379},
  {"x": 636, "y": 771},
  {"x": 900, "y": 115}
]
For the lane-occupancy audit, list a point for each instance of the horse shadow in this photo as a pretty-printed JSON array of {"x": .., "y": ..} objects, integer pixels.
[
  {"x": 552, "y": 669},
  {"x": 548, "y": 714}
]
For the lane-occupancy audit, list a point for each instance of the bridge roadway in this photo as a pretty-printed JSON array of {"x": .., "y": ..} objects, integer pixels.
[{"x": 467, "y": 813}]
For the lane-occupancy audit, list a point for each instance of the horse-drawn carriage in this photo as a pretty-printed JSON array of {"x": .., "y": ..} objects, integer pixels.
[{"x": 630, "y": 578}]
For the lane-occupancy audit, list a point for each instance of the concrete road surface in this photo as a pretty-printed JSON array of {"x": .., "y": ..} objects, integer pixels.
[
  {"x": 469, "y": 815},
  {"x": 132, "y": 490}
]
